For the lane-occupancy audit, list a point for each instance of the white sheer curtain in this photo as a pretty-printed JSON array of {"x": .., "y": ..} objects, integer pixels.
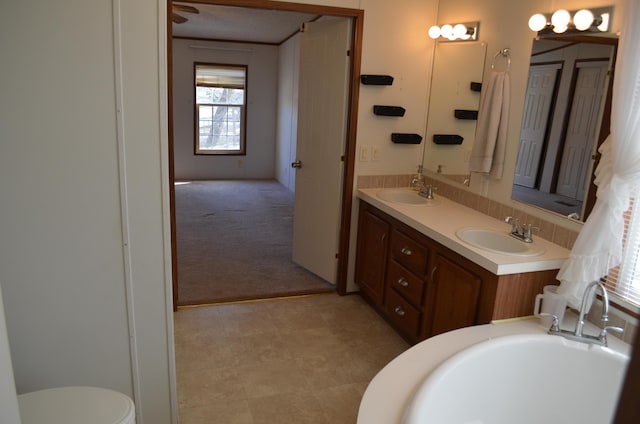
[{"x": 599, "y": 245}]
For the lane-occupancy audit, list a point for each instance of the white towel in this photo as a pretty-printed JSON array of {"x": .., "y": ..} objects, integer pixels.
[{"x": 487, "y": 154}]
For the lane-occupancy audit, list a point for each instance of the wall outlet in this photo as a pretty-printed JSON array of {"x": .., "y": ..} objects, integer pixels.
[
  {"x": 375, "y": 154},
  {"x": 240, "y": 163},
  {"x": 364, "y": 153}
]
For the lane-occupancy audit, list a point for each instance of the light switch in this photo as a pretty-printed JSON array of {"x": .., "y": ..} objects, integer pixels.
[
  {"x": 364, "y": 153},
  {"x": 375, "y": 154}
]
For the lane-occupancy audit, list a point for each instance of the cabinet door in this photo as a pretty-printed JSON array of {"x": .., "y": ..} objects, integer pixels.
[
  {"x": 371, "y": 256},
  {"x": 454, "y": 296}
]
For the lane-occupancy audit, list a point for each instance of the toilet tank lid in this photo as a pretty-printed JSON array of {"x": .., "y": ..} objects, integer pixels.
[{"x": 76, "y": 404}]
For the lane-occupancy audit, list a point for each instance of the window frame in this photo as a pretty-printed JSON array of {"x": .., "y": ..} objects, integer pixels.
[{"x": 242, "y": 150}]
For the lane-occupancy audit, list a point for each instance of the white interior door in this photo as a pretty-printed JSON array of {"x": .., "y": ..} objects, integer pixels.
[
  {"x": 584, "y": 121},
  {"x": 322, "y": 110},
  {"x": 540, "y": 92}
]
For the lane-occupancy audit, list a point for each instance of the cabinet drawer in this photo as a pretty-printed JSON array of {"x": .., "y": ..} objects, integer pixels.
[
  {"x": 406, "y": 283},
  {"x": 409, "y": 253},
  {"x": 399, "y": 311}
]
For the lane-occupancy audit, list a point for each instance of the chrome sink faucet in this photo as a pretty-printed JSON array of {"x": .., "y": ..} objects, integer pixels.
[
  {"x": 578, "y": 333},
  {"x": 519, "y": 231},
  {"x": 426, "y": 191}
]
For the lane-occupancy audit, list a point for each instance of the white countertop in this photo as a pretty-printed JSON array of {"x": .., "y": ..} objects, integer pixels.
[
  {"x": 441, "y": 221},
  {"x": 391, "y": 390}
]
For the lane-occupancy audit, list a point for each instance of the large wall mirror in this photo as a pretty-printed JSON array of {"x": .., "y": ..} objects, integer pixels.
[
  {"x": 456, "y": 85},
  {"x": 565, "y": 119}
]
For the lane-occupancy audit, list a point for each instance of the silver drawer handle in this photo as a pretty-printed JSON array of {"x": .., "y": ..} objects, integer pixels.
[
  {"x": 406, "y": 251},
  {"x": 398, "y": 310},
  {"x": 403, "y": 282}
]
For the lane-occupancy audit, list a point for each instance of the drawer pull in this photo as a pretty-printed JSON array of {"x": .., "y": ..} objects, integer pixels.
[
  {"x": 433, "y": 272},
  {"x": 398, "y": 310},
  {"x": 406, "y": 251},
  {"x": 403, "y": 282}
]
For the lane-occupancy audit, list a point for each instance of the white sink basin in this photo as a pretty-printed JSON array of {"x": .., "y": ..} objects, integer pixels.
[
  {"x": 404, "y": 196},
  {"x": 498, "y": 242},
  {"x": 525, "y": 379}
]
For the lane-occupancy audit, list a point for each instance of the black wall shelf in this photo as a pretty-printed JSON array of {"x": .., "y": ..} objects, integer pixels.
[
  {"x": 388, "y": 110},
  {"x": 376, "y": 79},
  {"x": 466, "y": 114},
  {"x": 405, "y": 138},
  {"x": 447, "y": 139}
]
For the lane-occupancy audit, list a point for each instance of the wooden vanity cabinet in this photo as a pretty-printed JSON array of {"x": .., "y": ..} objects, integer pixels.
[
  {"x": 423, "y": 288},
  {"x": 371, "y": 254}
]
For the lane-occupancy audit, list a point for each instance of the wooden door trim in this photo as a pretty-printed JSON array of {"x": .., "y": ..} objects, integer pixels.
[{"x": 357, "y": 17}]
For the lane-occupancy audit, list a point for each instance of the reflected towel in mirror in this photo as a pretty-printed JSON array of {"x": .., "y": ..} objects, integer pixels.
[{"x": 487, "y": 155}]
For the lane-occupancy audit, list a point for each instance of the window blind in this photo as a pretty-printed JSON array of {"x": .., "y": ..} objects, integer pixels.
[
  {"x": 623, "y": 281},
  {"x": 220, "y": 76}
]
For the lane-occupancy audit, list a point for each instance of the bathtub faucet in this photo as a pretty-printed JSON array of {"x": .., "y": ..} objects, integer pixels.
[{"x": 578, "y": 333}]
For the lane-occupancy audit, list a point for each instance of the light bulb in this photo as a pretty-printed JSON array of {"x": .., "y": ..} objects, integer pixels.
[
  {"x": 459, "y": 31},
  {"x": 434, "y": 32},
  {"x": 561, "y": 18},
  {"x": 560, "y": 29},
  {"x": 446, "y": 31},
  {"x": 537, "y": 22},
  {"x": 583, "y": 19},
  {"x": 604, "y": 26}
]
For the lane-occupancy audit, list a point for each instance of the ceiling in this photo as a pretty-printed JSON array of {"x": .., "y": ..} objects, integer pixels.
[{"x": 244, "y": 24}]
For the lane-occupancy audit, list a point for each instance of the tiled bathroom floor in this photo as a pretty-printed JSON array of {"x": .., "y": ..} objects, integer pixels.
[{"x": 295, "y": 360}]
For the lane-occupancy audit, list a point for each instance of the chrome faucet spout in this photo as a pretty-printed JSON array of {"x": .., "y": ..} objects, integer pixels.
[{"x": 589, "y": 293}]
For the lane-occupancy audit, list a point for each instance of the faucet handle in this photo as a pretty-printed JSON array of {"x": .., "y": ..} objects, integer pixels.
[
  {"x": 603, "y": 333},
  {"x": 516, "y": 228}
]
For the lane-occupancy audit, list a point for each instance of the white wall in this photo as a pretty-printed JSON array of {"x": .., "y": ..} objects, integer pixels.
[
  {"x": 262, "y": 72},
  {"x": 286, "y": 132},
  {"x": 395, "y": 43},
  {"x": 84, "y": 233}
]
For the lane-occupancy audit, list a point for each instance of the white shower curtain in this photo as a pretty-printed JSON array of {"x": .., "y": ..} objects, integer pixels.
[{"x": 599, "y": 245}]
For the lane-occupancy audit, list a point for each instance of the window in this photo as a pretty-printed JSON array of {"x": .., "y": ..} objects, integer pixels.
[
  {"x": 220, "y": 109},
  {"x": 624, "y": 281}
]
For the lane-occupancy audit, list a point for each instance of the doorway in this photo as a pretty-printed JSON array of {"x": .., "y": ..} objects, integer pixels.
[{"x": 348, "y": 155}]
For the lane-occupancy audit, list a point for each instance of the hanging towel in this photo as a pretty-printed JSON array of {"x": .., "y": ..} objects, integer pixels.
[{"x": 487, "y": 154}]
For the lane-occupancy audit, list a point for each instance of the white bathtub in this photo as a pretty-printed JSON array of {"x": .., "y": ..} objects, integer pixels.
[
  {"x": 391, "y": 393},
  {"x": 532, "y": 378}
]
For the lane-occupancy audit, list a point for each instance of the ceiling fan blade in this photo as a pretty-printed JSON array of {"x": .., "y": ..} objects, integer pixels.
[
  {"x": 184, "y": 8},
  {"x": 178, "y": 19}
]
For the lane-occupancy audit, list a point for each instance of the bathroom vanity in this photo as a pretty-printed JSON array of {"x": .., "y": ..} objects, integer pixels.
[{"x": 414, "y": 270}]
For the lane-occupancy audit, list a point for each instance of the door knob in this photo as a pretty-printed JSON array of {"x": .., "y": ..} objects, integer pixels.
[{"x": 296, "y": 164}]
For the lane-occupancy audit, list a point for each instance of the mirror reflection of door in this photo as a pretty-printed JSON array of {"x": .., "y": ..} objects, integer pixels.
[
  {"x": 584, "y": 120},
  {"x": 564, "y": 121},
  {"x": 538, "y": 103}
]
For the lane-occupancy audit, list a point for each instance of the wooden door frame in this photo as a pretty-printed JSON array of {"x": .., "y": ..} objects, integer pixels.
[{"x": 357, "y": 17}]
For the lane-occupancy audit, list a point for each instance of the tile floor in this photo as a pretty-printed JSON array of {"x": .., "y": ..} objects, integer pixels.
[{"x": 295, "y": 360}]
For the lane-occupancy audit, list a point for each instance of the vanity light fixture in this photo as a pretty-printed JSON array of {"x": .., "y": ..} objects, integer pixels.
[
  {"x": 465, "y": 31},
  {"x": 565, "y": 21}
]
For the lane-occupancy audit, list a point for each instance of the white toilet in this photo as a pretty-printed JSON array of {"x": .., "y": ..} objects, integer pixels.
[
  {"x": 76, "y": 405},
  {"x": 62, "y": 405}
]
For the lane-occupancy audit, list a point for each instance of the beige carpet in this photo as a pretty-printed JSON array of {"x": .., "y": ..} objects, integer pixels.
[{"x": 234, "y": 243}]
